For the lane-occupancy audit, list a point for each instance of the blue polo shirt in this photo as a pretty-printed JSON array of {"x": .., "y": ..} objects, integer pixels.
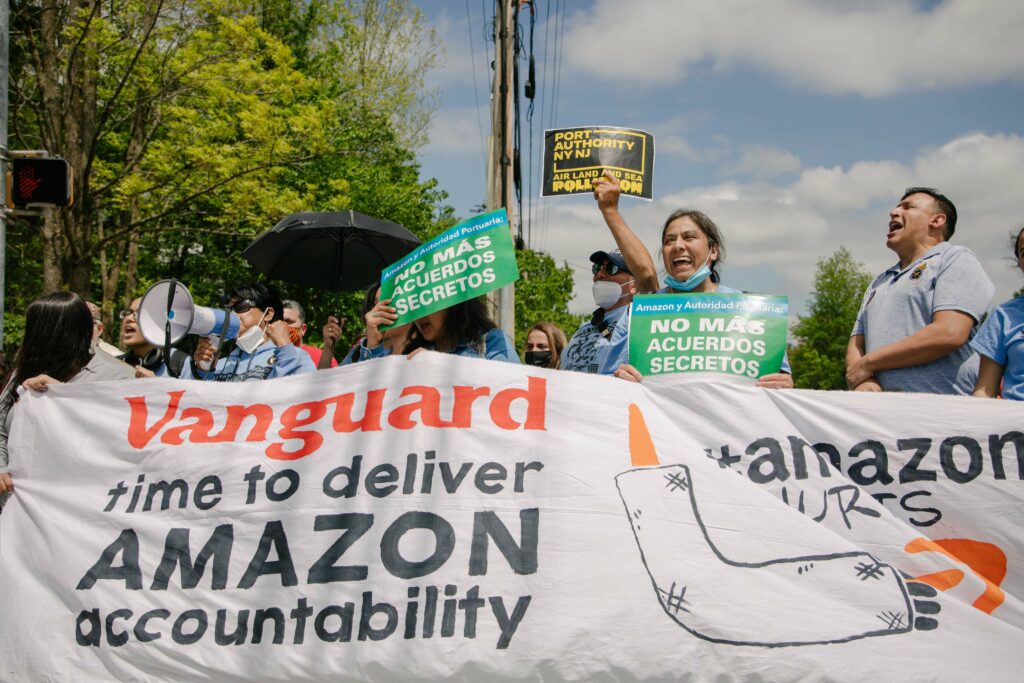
[
  {"x": 1001, "y": 339},
  {"x": 901, "y": 301}
]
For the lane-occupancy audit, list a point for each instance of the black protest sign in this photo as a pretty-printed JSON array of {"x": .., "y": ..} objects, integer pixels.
[{"x": 574, "y": 157}]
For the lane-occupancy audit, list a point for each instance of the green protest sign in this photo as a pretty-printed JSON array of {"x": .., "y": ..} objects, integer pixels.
[
  {"x": 732, "y": 334},
  {"x": 472, "y": 258}
]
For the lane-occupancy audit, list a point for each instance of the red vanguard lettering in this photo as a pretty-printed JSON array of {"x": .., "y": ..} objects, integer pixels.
[{"x": 197, "y": 425}]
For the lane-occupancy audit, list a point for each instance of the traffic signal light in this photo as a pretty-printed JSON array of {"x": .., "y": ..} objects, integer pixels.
[{"x": 40, "y": 180}]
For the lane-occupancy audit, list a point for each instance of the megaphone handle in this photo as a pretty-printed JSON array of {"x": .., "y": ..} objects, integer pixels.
[
  {"x": 171, "y": 291},
  {"x": 216, "y": 340},
  {"x": 207, "y": 365}
]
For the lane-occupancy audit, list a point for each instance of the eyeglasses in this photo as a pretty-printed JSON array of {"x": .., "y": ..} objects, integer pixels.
[
  {"x": 609, "y": 267},
  {"x": 243, "y": 306},
  {"x": 128, "y": 313}
]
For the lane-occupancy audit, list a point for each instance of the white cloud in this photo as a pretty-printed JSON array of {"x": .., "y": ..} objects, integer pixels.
[
  {"x": 775, "y": 233},
  {"x": 761, "y": 161},
  {"x": 866, "y": 181},
  {"x": 871, "y": 49},
  {"x": 674, "y": 145},
  {"x": 459, "y": 132}
]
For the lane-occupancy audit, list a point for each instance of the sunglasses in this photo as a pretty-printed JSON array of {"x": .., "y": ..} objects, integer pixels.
[
  {"x": 608, "y": 266},
  {"x": 243, "y": 306}
]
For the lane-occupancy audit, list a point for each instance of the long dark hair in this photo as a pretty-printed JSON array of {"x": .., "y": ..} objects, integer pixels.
[
  {"x": 57, "y": 341},
  {"x": 466, "y": 323}
]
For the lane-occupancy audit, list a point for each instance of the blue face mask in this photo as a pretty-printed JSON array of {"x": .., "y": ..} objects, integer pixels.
[{"x": 691, "y": 282}]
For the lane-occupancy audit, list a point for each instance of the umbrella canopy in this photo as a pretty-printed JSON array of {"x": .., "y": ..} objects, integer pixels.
[{"x": 340, "y": 251}]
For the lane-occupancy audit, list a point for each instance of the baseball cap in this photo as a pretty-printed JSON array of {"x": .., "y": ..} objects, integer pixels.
[{"x": 615, "y": 256}]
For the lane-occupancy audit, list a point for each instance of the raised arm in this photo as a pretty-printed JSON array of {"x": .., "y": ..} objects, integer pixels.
[{"x": 606, "y": 192}]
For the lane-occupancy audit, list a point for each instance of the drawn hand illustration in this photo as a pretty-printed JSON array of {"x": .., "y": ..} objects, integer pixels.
[{"x": 798, "y": 600}]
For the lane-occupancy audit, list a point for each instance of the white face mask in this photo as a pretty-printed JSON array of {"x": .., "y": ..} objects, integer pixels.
[
  {"x": 250, "y": 340},
  {"x": 607, "y": 293}
]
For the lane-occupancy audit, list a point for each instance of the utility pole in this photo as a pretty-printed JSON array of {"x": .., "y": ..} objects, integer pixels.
[{"x": 500, "y": 153}]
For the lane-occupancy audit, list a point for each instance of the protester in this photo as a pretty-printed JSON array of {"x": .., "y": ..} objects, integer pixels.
[
  {"x": 263, "y": 349},
  {"x": 103, "y": 366},
  {"x": 1000, "y": 344},
  {"x": 464, "y": 329},
  {"x": 56, "y": 347},
  {"x": 544, "y": 344},
  {"x": 295, "y": 317},
  {"x": 394, "y": 338},
  {"x": 139, "y": 353},
  {"x": 613, "y": 289},
  {"x": 692, "y": 249},
  {"x": 147, "y": 359},
  {"x": 916, "y": 319}
]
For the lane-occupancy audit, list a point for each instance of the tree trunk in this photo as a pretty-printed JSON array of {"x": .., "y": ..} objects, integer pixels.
[
  {"x": 68, "y": 115},
  {"x": 53, "y": 268}
]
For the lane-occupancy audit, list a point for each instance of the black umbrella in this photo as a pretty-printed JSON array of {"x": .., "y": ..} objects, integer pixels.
[{"x": 340, "y": 251}]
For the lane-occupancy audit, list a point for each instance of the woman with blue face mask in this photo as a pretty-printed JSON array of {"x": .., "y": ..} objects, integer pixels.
[{"x": 692, "y": 249}]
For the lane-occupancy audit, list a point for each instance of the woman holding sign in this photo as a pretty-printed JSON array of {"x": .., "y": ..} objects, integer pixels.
[
  {"x": 692, "y": 249},
  {"x": 464, "y": 329}
]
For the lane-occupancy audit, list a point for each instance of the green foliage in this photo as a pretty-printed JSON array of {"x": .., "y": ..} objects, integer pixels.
[
  {"x": 542, "y": 293},
  {"x": 204, "y": 123},
  {"x": 819, "y": 358}
]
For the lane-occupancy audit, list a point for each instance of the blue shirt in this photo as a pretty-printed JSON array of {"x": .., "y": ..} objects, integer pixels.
[
  {"x": 588, "y": 348},
  {"x": 619, "y": 352},
  {"x": 1001, "y": 339},
  {"x": 268, "y": 361},
  {"x": 901, "y": 301},
  {"x": 496, "y": 345}
]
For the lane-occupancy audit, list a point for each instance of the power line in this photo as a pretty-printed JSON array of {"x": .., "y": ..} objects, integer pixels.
[
  {"x": 476, "y": 94},
  {"x": 554, "y": 64}
]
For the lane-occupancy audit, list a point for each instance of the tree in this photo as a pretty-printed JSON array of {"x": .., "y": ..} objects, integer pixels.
[
  {"x": 819, "y": 358},
  {"x": 542, "y": 293},
  {"x": 191, "y": 123}
]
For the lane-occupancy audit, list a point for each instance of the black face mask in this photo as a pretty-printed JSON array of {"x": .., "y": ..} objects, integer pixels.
[{"x": 541, "y": 359}]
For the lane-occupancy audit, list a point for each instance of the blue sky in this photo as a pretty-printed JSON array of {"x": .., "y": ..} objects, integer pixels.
[{"x": 794, "y": 124}]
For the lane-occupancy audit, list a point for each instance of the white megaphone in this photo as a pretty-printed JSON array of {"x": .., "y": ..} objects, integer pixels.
[{"x": 167, "y": 313}]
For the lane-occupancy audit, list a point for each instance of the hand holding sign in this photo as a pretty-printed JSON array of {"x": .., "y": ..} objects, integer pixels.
[
  {"x": 381, "y": 314},
  {"x": 607, "y": 192}
]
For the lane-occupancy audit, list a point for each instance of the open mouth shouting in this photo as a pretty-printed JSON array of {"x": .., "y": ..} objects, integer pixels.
[
  {"x": 681, "y": 263},
  {"x": 894, "y": 227}
]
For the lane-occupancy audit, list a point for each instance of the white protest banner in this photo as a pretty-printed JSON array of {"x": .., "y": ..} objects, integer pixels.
[{"x": 454, "y": 518}]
